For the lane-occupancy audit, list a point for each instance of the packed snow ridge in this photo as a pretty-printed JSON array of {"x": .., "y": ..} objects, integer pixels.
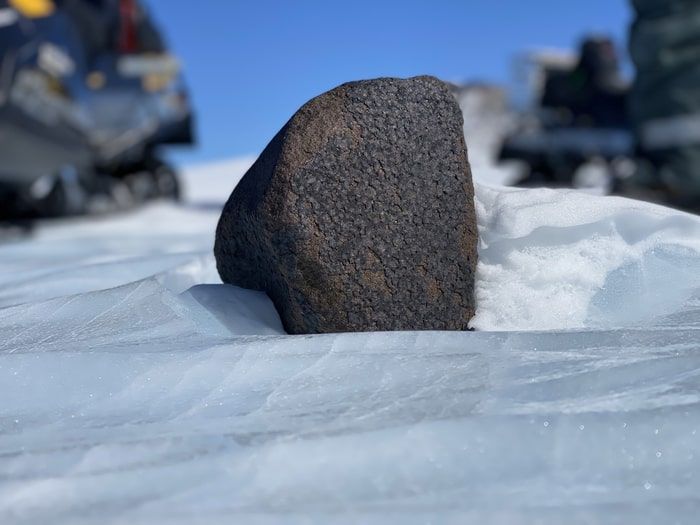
[{"x": 555, "y": 260}]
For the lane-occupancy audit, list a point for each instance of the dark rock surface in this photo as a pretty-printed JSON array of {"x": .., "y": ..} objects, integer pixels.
[{"x": 359, "y": 214}]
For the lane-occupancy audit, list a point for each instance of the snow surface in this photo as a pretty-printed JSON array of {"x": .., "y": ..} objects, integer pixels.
[{"x": 138, "y": 389}]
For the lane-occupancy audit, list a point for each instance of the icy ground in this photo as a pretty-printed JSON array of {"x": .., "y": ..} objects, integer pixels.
[{"x": 136, "y": 389}]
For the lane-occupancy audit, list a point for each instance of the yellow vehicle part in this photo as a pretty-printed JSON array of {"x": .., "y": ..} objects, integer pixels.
[
  {"x": 96, "y": 80},
  {"x": 34, "y": 8},
  {"x": 155, "y": 82}
]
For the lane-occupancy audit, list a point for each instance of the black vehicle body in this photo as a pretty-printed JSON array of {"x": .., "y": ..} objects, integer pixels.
[
  {"x": 579, "y": 116},
  {"x": 81, "y": 114}
]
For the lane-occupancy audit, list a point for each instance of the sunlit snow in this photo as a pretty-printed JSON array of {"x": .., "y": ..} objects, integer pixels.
[{"x": 138, "y": 389}]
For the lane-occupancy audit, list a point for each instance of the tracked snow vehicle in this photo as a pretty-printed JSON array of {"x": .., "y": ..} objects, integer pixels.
[
  {"x": 88, "y": 94},
  {"x": 575, "y": 131}
]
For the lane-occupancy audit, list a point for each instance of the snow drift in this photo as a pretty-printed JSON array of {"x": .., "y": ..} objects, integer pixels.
[
  {"x": 137, "y": 388},
  {"x": 554, "y": 260}
]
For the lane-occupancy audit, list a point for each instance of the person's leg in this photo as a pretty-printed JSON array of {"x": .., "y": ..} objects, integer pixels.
[{"x": 665, "y": 99}]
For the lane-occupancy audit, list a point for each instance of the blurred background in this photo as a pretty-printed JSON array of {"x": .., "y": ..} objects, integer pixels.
[
  {"x": 96, "y": 94},
  {"x": 251, "y": 65}
]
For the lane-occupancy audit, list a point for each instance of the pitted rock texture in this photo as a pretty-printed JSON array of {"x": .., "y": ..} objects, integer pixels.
[{"x": 359, "y": 214}]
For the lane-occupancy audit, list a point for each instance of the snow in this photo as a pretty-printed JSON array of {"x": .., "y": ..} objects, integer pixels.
[
  {"x": 138, "y": 389},
  {"x": 555, "y": 260}
]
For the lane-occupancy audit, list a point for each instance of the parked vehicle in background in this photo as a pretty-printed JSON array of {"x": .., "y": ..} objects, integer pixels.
[
  {"x": 576, "y": 130},
  {"x": 88, "y": 95}
]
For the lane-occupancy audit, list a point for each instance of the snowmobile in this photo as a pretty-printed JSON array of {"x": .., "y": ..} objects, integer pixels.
[
  {"x": 578, "y": 133},
  {"x": 88, "y": 94}
]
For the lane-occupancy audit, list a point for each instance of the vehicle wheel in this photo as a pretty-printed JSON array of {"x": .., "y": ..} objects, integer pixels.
[
  {"x": 55, "y": 204},
  {"x": 142, "y": 185},
  {"x": 167, "y": 182},
  {"x": 65, "y": 198}
]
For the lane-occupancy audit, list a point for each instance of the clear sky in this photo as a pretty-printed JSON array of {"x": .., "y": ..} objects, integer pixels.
[{"x": 251, "y": 63}]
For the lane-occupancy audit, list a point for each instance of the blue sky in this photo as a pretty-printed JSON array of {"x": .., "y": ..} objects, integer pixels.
[{"x": 251, "y": 64}]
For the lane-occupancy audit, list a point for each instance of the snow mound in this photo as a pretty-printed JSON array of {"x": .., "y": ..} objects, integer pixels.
[{"x": 555, "y": 259}]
